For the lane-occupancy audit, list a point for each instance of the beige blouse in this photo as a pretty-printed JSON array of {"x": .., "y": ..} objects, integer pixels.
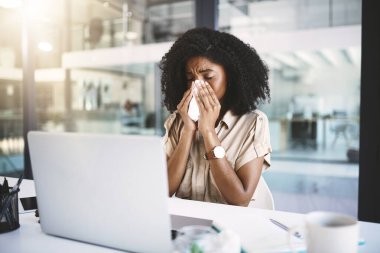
[{"x": 243, "y": 137}]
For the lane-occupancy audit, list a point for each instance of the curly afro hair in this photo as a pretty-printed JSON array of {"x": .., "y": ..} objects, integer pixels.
[{"x": 247, "y": 74}]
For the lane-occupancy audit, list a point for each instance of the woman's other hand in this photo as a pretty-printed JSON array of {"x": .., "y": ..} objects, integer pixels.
[{"x": 183, "y": 107}]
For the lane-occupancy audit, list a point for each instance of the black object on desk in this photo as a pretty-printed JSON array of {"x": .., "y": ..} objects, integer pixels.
[
  {"x": 29, "y": 203},
  {"x": 9, "y": 219}
]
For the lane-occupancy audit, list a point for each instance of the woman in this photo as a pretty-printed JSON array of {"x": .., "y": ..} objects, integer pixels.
[{"x": 220, "y": 157}]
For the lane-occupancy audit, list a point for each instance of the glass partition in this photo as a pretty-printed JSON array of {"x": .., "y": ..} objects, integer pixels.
[
  {"x": 105, "y": 24},
  {"x": 257, "y": 16},
  {"x": 315, "y": 103},
  {"x": 312, "y": 49},
  {"x": 11, "y": 117},
  {"x": 109, "y": 99},
  {"x": 115, "y": 98}
]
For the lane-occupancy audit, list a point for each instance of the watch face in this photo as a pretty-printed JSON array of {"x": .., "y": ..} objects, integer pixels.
[{"x": 219, "y": 152}]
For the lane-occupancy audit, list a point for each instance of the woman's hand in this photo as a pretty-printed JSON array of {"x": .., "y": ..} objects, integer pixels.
[
  {"x": 183, "y": 107},
  {"x": 209, "y": 107}
]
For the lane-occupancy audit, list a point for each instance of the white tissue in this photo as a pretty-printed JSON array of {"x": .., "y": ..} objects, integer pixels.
[{"x": 193, "y": 110}]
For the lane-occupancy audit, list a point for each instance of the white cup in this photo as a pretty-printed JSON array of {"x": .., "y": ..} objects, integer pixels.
[{"x": 328, "y": 232}]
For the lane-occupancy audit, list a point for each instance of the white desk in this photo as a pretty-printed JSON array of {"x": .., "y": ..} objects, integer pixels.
[{"x": 251, "y": 224}]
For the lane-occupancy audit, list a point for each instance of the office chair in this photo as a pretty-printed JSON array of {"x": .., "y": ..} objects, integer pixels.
[
  {"x": 262, "y": 197},
  {"x": 340, "y": 128}
]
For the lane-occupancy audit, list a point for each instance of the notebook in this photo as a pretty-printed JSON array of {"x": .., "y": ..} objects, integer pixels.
[{"x": 105, "y": 189}]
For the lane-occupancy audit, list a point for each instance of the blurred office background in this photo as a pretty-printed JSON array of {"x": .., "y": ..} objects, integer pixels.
[{"x": 91, "y": 66}]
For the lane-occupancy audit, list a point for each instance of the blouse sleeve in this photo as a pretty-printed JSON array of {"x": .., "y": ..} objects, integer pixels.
[
  {"x": 257, "y": 143},
  {"x": 171, "y": 134}
]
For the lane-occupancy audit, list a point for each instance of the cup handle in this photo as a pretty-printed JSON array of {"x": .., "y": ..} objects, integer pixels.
[{"x": 291, "y": 232}]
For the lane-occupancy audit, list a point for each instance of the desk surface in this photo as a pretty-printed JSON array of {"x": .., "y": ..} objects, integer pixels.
[{"x": 253, "y": 226}]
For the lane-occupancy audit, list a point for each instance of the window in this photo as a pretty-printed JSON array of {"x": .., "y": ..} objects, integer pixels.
[{"x": 312, "y": 49}]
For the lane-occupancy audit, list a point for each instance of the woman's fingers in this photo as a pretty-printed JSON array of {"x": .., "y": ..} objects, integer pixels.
[
  {"x": 206, "y": 96},
  {"x": 214, "y": 98}
]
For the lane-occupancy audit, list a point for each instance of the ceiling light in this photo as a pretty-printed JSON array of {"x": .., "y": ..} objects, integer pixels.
[
  {"x": 131, "y": 35},
  {"x": 45, "y": 46},
  {"x": 330, "y": 56},
  {"x": 10, "y": 90},
  {"x": 10, "y": 4},
  {"x": 355, "y": 55},
  {"x": 306, "y": 57},
  {"x": 286, "y": 59}
]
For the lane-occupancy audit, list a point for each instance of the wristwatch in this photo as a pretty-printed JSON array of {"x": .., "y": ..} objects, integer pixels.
[{"x": 216, "y": 153}]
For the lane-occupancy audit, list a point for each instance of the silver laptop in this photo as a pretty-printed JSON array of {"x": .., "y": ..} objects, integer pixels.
[{"x": 104, "y": 189}]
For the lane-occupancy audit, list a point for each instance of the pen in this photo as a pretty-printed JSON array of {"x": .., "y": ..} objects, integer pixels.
[
  {"x": 3, "y": 192},
  {"x": 8, "y": 213},
  {"x": 286, "y": 228},
  {"x": 5, "y": 185}
]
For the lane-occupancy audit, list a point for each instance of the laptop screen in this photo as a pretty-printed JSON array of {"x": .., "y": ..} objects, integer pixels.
[{"x": 103, "y": 189}]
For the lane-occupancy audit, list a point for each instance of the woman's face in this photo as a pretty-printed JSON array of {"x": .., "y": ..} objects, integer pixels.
[{"x": 201, "y": 68}]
